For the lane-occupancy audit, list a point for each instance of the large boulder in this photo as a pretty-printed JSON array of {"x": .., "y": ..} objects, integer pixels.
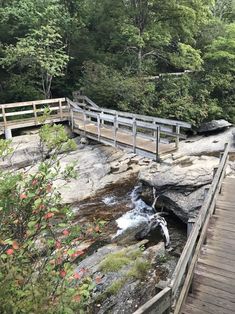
[
  {"x": 181, "y": 184},
  {"x": 214, "y": 126}
]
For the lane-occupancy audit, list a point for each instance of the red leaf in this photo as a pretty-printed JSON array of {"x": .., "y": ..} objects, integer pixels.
[
  {"x": 62, "y": 273},
  {"x": 23, "y": 196},
  {"x": 58, "y": 244},
  {"x": 9, "y": 251},
  {"x": 49, "y": 215},
  {"x": 77, "y": 276},
  {"x": 66, "y": 232}
]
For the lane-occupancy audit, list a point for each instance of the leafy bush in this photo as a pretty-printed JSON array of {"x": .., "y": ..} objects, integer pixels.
[{"x": 36, "y": 252}]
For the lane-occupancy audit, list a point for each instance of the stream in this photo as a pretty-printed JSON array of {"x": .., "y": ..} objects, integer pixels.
[
  {"x": 127, "y": 206},
  {"x": 121, "y": 205}
]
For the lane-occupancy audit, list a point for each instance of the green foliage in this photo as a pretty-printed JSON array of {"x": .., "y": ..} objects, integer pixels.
[
  {"x": 37, "y": 237},
  {"x": 139, "y": 269},
  {"x": 112, "y": 49},
  {"x": 115, "y": 261},
  {"x": 115, "y": 287}
]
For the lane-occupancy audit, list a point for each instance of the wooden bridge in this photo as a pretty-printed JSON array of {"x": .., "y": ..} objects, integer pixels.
[
  {"x": 144, "y": 135},
  {"x": 204, "y": 278}
]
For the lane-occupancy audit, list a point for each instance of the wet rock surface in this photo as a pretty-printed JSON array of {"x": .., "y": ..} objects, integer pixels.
[{"x": 214, "y": 126}]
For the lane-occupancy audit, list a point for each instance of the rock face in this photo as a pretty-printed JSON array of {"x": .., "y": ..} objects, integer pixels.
[
  {"x": 214, "y": 126},
  {"x": 181, "y": 184},
  {"x": 96, "y": 165}
]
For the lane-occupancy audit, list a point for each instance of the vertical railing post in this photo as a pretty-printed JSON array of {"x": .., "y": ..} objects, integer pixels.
[
  {"x": 102, "y": 121},
  {"x": 4, "y": 116},
  {"x": 177, "y": 139},
  {"x": 84, "y": 121},
  {"x": 98, "y": 125},
  {"x": 60, "y": 108},
  {"x": 190, "y": 224},
  {"x": 134, "y": 131},
  {"x": 157, "y": 142},
  {"x": 71, "y": 118},
  {"x": 35, "y": 113},
  {"x": 115, "y": 130}
]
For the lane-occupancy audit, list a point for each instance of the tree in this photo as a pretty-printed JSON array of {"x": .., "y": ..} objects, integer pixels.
[{"x": 41, "y": 51}]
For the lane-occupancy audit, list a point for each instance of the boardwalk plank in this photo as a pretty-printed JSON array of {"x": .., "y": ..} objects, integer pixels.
[
  {"x": 208, "y": 307},
  {"x": 220, "y": 302},
  {"x": 204, "y": 266},
  {"x": 213, "y": 291}
]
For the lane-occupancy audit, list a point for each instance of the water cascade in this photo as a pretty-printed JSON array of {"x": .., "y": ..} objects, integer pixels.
[{"x": 142, "y": 219}]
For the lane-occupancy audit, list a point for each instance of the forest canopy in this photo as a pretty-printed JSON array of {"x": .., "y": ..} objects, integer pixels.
[{"x": 124, "y": 54}]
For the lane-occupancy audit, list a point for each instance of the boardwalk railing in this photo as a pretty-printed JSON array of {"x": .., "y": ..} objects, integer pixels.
[
  {"x": 183, "y": 274},
  {"x": 86, "y": 112},
  {"x": 18, "y": 115},
  {"x": 142, "y": 134}
]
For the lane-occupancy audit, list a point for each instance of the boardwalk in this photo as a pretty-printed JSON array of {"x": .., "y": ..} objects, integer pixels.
[
  {"x": 214, "y": 276},
  {"x": 144, "y": 135}
]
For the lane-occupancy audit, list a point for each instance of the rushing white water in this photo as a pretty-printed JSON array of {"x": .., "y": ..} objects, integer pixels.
[
  {"x": 109, "y": 200},
  {"x": 142, "y": 214}
]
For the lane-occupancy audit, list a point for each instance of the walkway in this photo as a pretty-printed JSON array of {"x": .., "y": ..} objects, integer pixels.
[
  {"x": 213, "y": 289},
  {"x": 144, "y": 135}
]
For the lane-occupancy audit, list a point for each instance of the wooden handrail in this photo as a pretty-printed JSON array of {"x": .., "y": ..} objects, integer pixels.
[
  {"x": 169, "y": 122},
  {"x": 191, "y": 249}
]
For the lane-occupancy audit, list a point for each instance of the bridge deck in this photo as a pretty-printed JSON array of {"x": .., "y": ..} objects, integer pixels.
[
  {"x": 125, "y": 138},
  {"x": 213, "y": 288}
]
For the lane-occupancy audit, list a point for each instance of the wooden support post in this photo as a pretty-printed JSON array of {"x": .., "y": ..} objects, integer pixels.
[
  {"x": 35, "y": 113},
  {"x": 4, "y": 116},
  {"x": 205, "y": 195},
  {"x": 61, "y": 112},
  {"x": 154, "y": 133},
  {"x": 134, "y": 131},
  {"x": 177, "y": 139},
  {"x": 157, "y": 142},
  {"x": 8, "y": 133},
  {"x": 190, "y": 224},
  {"x": 71, "y": 119},
  {"x": 84, "y": 121},
  {"x": 115, "y": 130},
  {"x": 98, "y": 126}
]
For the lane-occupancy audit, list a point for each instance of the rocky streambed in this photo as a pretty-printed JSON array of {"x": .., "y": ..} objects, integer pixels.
[{"x": 114, "y": 185}]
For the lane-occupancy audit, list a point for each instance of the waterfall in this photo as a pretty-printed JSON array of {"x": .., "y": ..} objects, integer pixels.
[{"x": 142, "y": 215}]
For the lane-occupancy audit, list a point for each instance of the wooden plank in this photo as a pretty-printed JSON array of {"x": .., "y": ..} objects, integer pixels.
[
  {"x": 208, "y": 307},
  {"x": 205, "y": 279},
  {"x": 216, "y": 261},
  {"x": 61, "y": 111},
  {"x": 25, "y": 112},
  {"x": 219, "y": 302},
  {"x": 35, "y": 113},
  {"x": 158, "y": 304},
  {"x": 214, "y": 291},
  {"x": 220, "y": 233},
  {"x": 213, "y": 250},
  {"x": 190, "y": 309},
  {"x": 4, "y": 116},
  {"x": 214, "y": 269},
  {"x": 29, "y": 103},
  {"x": 222, "y": 282}
]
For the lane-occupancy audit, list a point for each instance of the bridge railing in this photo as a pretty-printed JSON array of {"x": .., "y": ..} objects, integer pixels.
[
  {"x": 14, "y": 114},
  {"x": 155, "y": 129},
  {"x": 183, "y": 274}
]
